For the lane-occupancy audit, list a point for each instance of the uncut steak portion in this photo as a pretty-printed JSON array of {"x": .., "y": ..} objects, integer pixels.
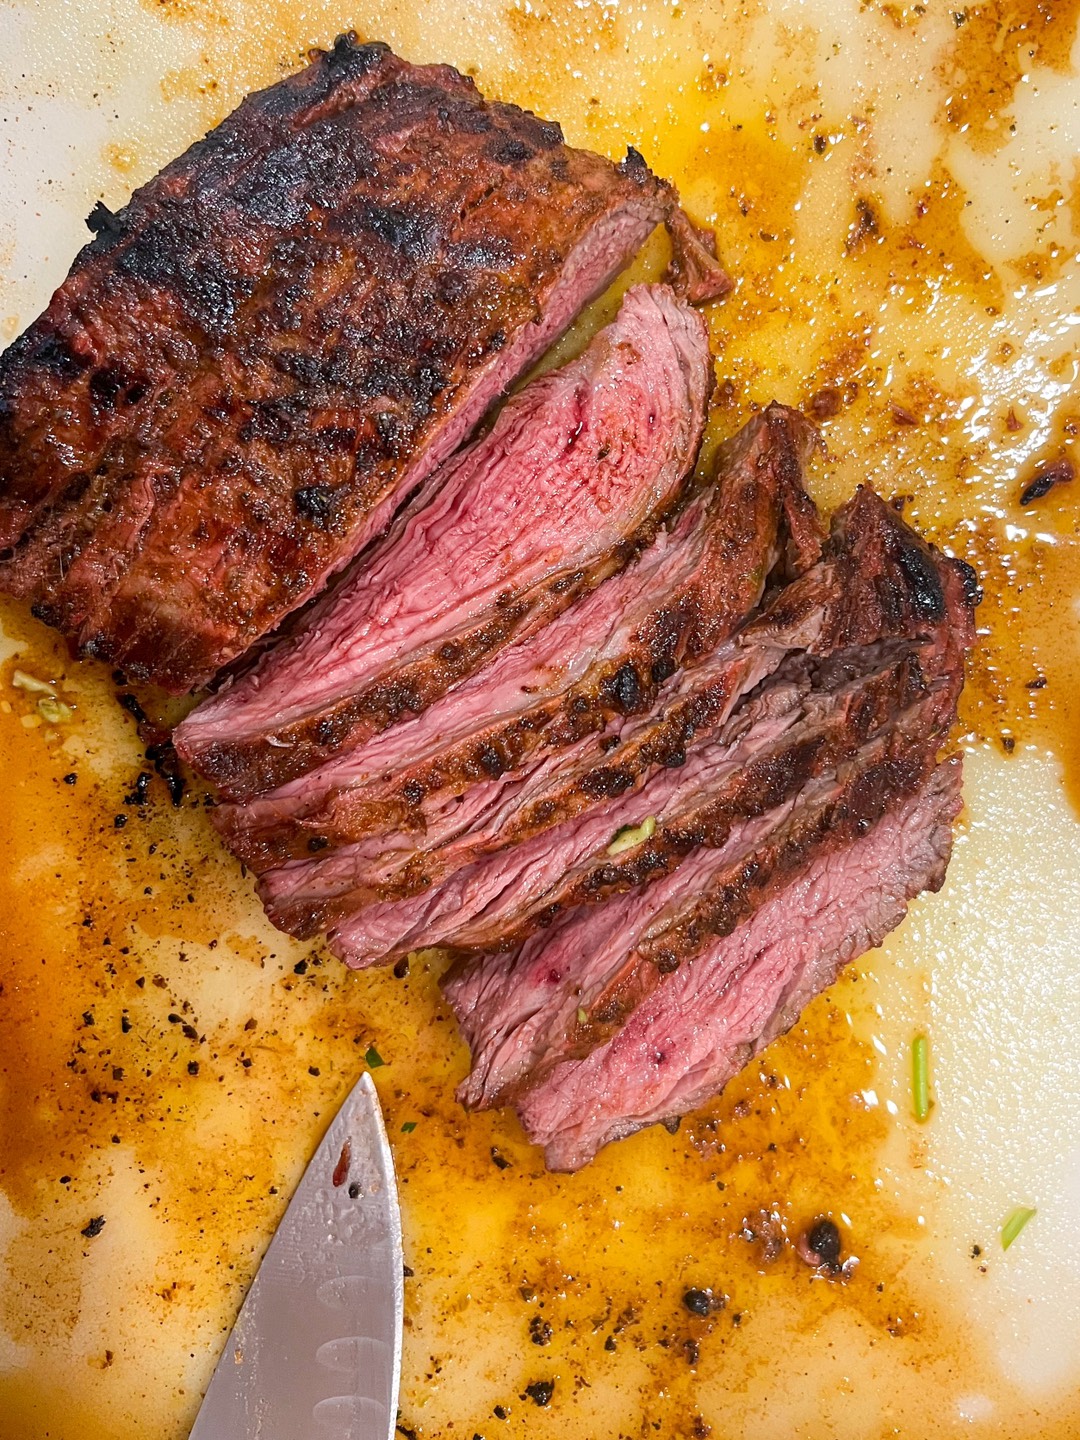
[
  {"x": 692, "y": 1035},
  {"x": 607, "y": 657},
  {"x": 876, "y": 581},
  {"x": 284, "y": 334},
  {"x": 575, "y": 476}
]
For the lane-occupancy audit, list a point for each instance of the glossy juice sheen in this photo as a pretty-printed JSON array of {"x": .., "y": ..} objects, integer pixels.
[{"x": 896, "y": 192}]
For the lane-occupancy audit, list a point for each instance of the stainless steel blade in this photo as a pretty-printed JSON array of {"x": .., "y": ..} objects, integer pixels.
[{"x": 316, "y": 1349}]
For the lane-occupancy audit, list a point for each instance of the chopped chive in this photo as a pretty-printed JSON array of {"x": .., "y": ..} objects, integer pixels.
[
  {"x": 408, "y": 1127},
  {"x": 582, "y": 1015},
  {"x": 373, "y": 1058},
  {"x": 1018, "y": 1217},
  {"x": 920, "y": 1076},
  {"x": 628, "y": 836}
]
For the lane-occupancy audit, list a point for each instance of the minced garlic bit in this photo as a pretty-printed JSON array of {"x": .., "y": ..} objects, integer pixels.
[
  {"x": 582, "y": 1015},
  {"x": 22, "y": 681},
  {"x": 631, "y": 835}
]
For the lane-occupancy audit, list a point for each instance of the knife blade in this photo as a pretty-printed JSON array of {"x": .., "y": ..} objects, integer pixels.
[{"x": 316, "y": 1349}]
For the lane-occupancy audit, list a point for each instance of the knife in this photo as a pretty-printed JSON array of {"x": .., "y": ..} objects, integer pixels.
[{"x": 316, "y": 1349}]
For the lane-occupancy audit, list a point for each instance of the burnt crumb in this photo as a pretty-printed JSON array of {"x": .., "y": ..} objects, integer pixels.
[
  {"x": 976, "y": 1251},
  {"x": 821, "y": 144},
  {"x": 193, "y": 1067},
  {"x": 692, "y": 1351},
  {"x": 317, "y": 843},
  {"x": 88, "y": 1018},
  {"x": 300, "y": 968},
  {"x": 401, "y": 969},
  {"x": 671, "y": 1124},
  {"x": 1038, "y": 683},
  {"x": 540, "y": 1391},
  {"x": 865, "y": 228},
  {"x": 93, "y": 1227},
  {"x": 1058, "y": 472},
  {"x": 819, "y": 1245},
  {"x": 354, "y": 1190},
  {"x": 138, "y": 794},
  {"x": 1008, "y": 743},
  {"x": 119, "y": 821},
  {"x": 125, "y": 1024},
  {"x": 609, "y": 1344},
  {"x": 400, "y": 1429},
  {"x": 700, "y": 1302},
  {"x": 539, "y": 1330},
  {"x": 824, "y": 403},
  {"x": 71, "y": 778},
  {"x": 129, "y": 703},
  {"x": 499, "y": 1159},
  {"x": 166, "y": 764},
  {"x": 499, "y": 1412}
]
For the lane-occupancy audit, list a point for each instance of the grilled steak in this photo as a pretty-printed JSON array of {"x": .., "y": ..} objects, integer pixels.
[
  {"x": 283, "y": 335},
  {"x": 474, "y": 891},
  {"x": 422, "y": 782},
  {"x": 574, "y": 477},
  {"x": 698, "y": 1029}
]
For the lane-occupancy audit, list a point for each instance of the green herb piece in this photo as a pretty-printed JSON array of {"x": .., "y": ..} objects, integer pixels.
[
  {"x": 631, "y": 835},
  {"x": 373, "y": 1058},
  {"x": 1018, "y": 1217},
  {"x": 54, "y": 710},
  {"x": 408, "y": 1127},
  {"x": 22, "y": 681},
  {"x": 582, "y": 1015},
  {"x": 920, "y": 1076}
]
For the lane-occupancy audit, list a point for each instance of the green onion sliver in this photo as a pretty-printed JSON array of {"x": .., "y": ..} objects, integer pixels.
[
  {"x": 1018, "y": 1217},
  {"x": 373, "y": 1059},
  {"x": 920, "y": 1077}
]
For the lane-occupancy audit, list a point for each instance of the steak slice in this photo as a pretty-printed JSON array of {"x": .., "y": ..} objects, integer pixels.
[
  {"x": 606, "y": 657},
  {"x": 693, "y": 1033},
  {"x": 862, "y": 592},
  {"x": 284, "y": 334},
  {"x": 574, "y": 477},
  {"x": 574, "y": 986}
]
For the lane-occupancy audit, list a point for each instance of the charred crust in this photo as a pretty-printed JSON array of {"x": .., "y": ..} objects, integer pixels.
[
  {"x": 923, "y": 578},
  {"x": 969, "y": 580}
]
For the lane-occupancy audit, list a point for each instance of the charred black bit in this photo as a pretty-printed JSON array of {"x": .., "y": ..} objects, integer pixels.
[
  {"x": 354, "y": 1190},
  {"x": 820, "y": 1245},
  {"x": 119, "y": 821},
  {"x": 317, "y": 843},
  {"x": 102, "y": 221},
  {"x": 70, "y": 778},
  {"x": 699, "y": 1302},
  {"x": 540, "y": 1331},
  {"x": 404, "y": 1430},
  {"x": 540, "y": 1391},
  {"x": 609, "y": 1344},
  {"x": 499, "y": 1412},
  {"x": 1037, "y": 684},
  {"x": 193, "y": 1067},
  {"x": 94, "y": 1227},
  {"x": 401, "y": 969},
  {"x": 692, "y": 1350},
  {"x": 132, "y": 706},
  {"x": 139, "y": 792},
  {"x": 499, "y": 1159},
  {"x": 300, "y": 968}
]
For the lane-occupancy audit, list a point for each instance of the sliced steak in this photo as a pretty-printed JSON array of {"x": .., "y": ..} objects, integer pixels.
[
  {"x": 281, "y": 336},
  {"x": 606, "y": 657},
  {"x": 576, "y": 474},
  {"x": 693, "y": 1033},
  {"x": 382, "y": 901}
]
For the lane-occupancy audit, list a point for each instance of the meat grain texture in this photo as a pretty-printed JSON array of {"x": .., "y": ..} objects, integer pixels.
[{"x": 281, "y": 336}]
